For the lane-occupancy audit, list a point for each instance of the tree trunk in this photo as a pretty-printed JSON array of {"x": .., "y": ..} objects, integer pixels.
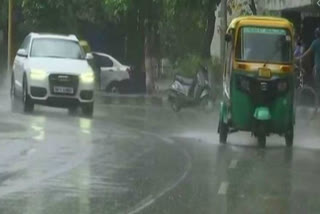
[
  {"x": 148, "y": 60},
  {"x": 253, "y": 7},
  {"x": 211, "y": 20},
  {"x": 206, "y": 53}
]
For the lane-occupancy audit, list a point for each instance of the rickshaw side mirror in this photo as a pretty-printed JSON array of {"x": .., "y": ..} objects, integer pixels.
[{"x": 228, "y": 37}]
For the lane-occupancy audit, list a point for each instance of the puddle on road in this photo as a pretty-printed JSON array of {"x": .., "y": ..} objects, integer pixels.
[
  {"x": 6, "y": 127},
  {"x": 306, "y": 136}
]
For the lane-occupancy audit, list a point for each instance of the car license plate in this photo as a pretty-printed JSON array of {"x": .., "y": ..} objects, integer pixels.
[{"x": 62, "y": 90}]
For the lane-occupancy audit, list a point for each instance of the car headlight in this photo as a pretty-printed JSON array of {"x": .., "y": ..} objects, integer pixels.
[
  {"x": 38, "y": 74},
  {"x": 87, "y": 77}
]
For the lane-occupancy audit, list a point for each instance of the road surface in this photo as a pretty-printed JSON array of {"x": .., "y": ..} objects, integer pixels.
[{"x": 147, "y": 159}]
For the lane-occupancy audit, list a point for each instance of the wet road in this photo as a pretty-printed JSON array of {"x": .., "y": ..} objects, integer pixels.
[{"x": 147, "y": 159}]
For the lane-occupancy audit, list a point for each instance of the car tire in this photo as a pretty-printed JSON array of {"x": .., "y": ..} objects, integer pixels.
[
  {"x": 114, "y": 88},
  {"x": 13, "y": 88},
  {"x": 13, "y": 95},
  {"x": 28, "y": 105},
  {"x": 87, "y": 109}
]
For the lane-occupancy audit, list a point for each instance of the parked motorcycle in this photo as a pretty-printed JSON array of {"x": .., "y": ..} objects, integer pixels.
[{"x": 189, "y": 92}]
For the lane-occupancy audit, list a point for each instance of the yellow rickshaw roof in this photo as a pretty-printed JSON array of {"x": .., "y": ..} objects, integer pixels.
[{"x": 260, "y": 20}]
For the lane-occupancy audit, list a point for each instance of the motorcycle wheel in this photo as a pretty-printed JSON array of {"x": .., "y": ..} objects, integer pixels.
[
  {"x": 175, "y": 106},
  {"x": 205, "y": 103}
]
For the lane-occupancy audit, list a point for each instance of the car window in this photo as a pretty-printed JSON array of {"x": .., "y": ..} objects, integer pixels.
[
  {"x": 26, "y": 44},
  {"x": 104, "y": 61},
  {"x": 56, "y": 48}
]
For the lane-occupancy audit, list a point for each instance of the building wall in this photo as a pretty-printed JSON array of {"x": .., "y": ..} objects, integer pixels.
[
  {"x": 237, "y": 8},
  {"x": 285, "y": 4},
  {"x": 268, "y": 7}
]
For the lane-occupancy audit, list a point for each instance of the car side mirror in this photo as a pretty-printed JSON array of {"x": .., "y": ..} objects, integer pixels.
[
  {"x": 22, "y": 53},
  {"x": 228, "y": 37},
  {"x": 89, "y": 56}
]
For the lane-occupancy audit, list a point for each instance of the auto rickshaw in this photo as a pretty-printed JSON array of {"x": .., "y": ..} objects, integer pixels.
[{"x": 258, "y": 79}]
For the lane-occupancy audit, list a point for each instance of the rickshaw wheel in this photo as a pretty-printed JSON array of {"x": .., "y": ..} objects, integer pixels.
[
  {"x": 289, "y": 137},
  {"x": 223, "y": 132},
  {"x": 262, "y": 141}
]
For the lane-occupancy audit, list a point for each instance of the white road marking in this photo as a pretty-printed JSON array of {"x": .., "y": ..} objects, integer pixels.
[
  {"x": 233, "y": 164},
  {"x": 85, "y": 131},
  {"x": 223, "y": 188},
  {"x": 153, "y": 198}
]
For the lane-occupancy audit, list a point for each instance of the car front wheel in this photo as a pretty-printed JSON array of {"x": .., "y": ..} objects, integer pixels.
[
  {"x": 28, "y": 105},
  {"x": 13, "y": 88}
]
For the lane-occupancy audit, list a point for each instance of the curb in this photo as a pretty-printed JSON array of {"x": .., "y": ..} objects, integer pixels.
[
  {"x": 134, "y": 100},
  {"x": 159, "y": 100}
]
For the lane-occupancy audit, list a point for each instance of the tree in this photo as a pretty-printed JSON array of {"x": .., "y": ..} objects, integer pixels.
[
  {"x": 211, "y": 6},
  {"x": 146, "y": 15},
  {"x": 191, "y": 26},
  {"x": 253, "y": 7},
  {"x": 50, "y": 14}
]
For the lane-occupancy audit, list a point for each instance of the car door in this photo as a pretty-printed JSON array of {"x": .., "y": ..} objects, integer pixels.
[
  {"x": 108, "y": 70},
  {"x": 19, "y": 63}
]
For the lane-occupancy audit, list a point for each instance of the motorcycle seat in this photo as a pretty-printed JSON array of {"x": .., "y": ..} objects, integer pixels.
[{"x": 185, "y": 80}]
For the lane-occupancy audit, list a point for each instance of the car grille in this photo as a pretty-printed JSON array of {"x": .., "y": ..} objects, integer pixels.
[
  {"x": 62, "y": 80},
  {"x": 38, "y": 92}
]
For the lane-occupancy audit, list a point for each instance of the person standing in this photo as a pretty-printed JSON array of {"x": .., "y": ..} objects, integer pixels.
[
  {"x": 315, "y": 50},
  {"x": 299, "y": 49}
]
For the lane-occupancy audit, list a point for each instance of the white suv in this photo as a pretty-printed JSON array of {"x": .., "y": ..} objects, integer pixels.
[{"x": 53, "y": 70}]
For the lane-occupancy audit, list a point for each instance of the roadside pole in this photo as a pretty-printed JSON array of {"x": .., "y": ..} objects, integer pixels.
[
  {"x": 223, "y": 28},
  {"x": 10, "y": 46}
]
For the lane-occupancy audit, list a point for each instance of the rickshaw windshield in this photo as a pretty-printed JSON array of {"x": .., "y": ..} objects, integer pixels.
[{"x": 258, "y": 44}]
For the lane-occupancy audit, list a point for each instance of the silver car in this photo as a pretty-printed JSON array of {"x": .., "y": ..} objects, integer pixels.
[{"x": 111, "y": 73}]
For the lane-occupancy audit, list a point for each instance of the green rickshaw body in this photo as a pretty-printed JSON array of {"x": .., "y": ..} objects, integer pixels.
[
  {"x": 259, "y": 86},
  {"x": 243, "y": 105}
]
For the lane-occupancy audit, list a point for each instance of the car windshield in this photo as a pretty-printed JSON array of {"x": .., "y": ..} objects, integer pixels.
[
  {"x": 56, "y": 48},
  {"x": 264, "y": 45}
]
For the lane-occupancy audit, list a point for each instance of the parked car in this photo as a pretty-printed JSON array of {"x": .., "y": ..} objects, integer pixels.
[
  {"x": 112, "y": 76},
  {"x": 53, "y": 70},
  {"x": 85, "y": 46}
]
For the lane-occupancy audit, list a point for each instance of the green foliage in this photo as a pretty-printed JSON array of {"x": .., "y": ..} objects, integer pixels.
[
  {"x": 3, "y": 12},
  {"x": 184, "y": 25},
  {"x": 61, "y": 15},
  {"x": 178, "y": 26},
  {"x": 188, "y": 65},
  {"x": 116, "y": 8}
]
